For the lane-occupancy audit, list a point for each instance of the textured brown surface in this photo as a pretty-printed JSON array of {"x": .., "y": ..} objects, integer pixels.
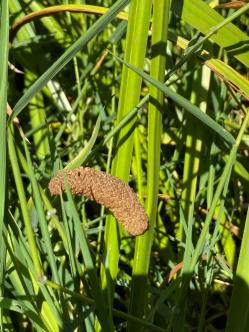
[{"x": 106, "y": 190}]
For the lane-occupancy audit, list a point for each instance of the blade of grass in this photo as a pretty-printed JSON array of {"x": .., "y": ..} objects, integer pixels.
[
  {"x": 139, "y": 288},
  {"x": 41, "y": 215},
  {"x": 191, "y": 172},
  {"x": 84, "y": 153},
  {"x": 37, "y": 118},
  {"x": 183, "y": 102},
  {"x": 192, "y": 157},
  {"x": 68, "y": 231},
  {"x": 239, "y": 306},
  {"x": 4, "y": 37},
  {"x": 101, "y": 308},
  {"x": 136, "y": 43},
  {"x": 23, "y": 202}
]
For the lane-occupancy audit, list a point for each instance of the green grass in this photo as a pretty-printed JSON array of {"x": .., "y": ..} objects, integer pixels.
[
  {"x": 4, "y": 35},
  {"x": 155, "y": 93}
]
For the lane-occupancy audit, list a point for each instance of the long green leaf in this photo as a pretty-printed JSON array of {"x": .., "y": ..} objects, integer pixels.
[
  {"x": 141, "y": 263},
  {"x": 184, "y": 103},
  {"x": 41, "y": 215},
  {"x": 83, "y": 154},
  {"x": 130, "y": 90},
  {"x": 241, "y": 288},
  {"x": 102, "y": 309},
  {"x": 23, "y": 202},
  {"x": 4, "y": 40}
]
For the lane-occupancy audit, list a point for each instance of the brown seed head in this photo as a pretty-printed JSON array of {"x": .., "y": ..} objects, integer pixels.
[{"x": 106, "y": 190}]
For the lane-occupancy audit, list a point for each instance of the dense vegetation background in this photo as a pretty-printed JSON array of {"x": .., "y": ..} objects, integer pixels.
[{"x": 155, "y": 93}]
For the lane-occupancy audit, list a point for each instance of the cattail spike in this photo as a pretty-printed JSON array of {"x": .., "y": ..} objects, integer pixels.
[{"x": 106, "y": 190}]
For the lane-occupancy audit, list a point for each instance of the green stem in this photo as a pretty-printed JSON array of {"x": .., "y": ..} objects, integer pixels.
[
  {"x": 4, "y": 48},
  {"x": 130, "y": 90},
  {"x": 23, "y": 203},
  {"x": 138, "y": 300}
]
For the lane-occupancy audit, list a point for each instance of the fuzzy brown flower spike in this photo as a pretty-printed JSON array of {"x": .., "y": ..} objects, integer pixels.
[{"x": 107, "y": 190}]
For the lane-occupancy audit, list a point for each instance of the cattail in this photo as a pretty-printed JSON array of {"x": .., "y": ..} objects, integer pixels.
[{"x": 107, "y": 190}]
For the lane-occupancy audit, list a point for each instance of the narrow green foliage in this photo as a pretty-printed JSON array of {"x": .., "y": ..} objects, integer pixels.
[
  {"x": 38, "y": 121},
  {"x": 102, "y": 309},
  {"x": 241, "y": 286},
  {"x": 41, "y": 215},
  {"x": 143, "y": 244},
  {"x": 23, "y": 202},
  {"x": 193, "y": 154},
  {"x": 192, "y": 109},
  {"x": 4, "y": 36},
  {"x": 130, "y": 89},
  {"x": 83, "y": 154}
]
